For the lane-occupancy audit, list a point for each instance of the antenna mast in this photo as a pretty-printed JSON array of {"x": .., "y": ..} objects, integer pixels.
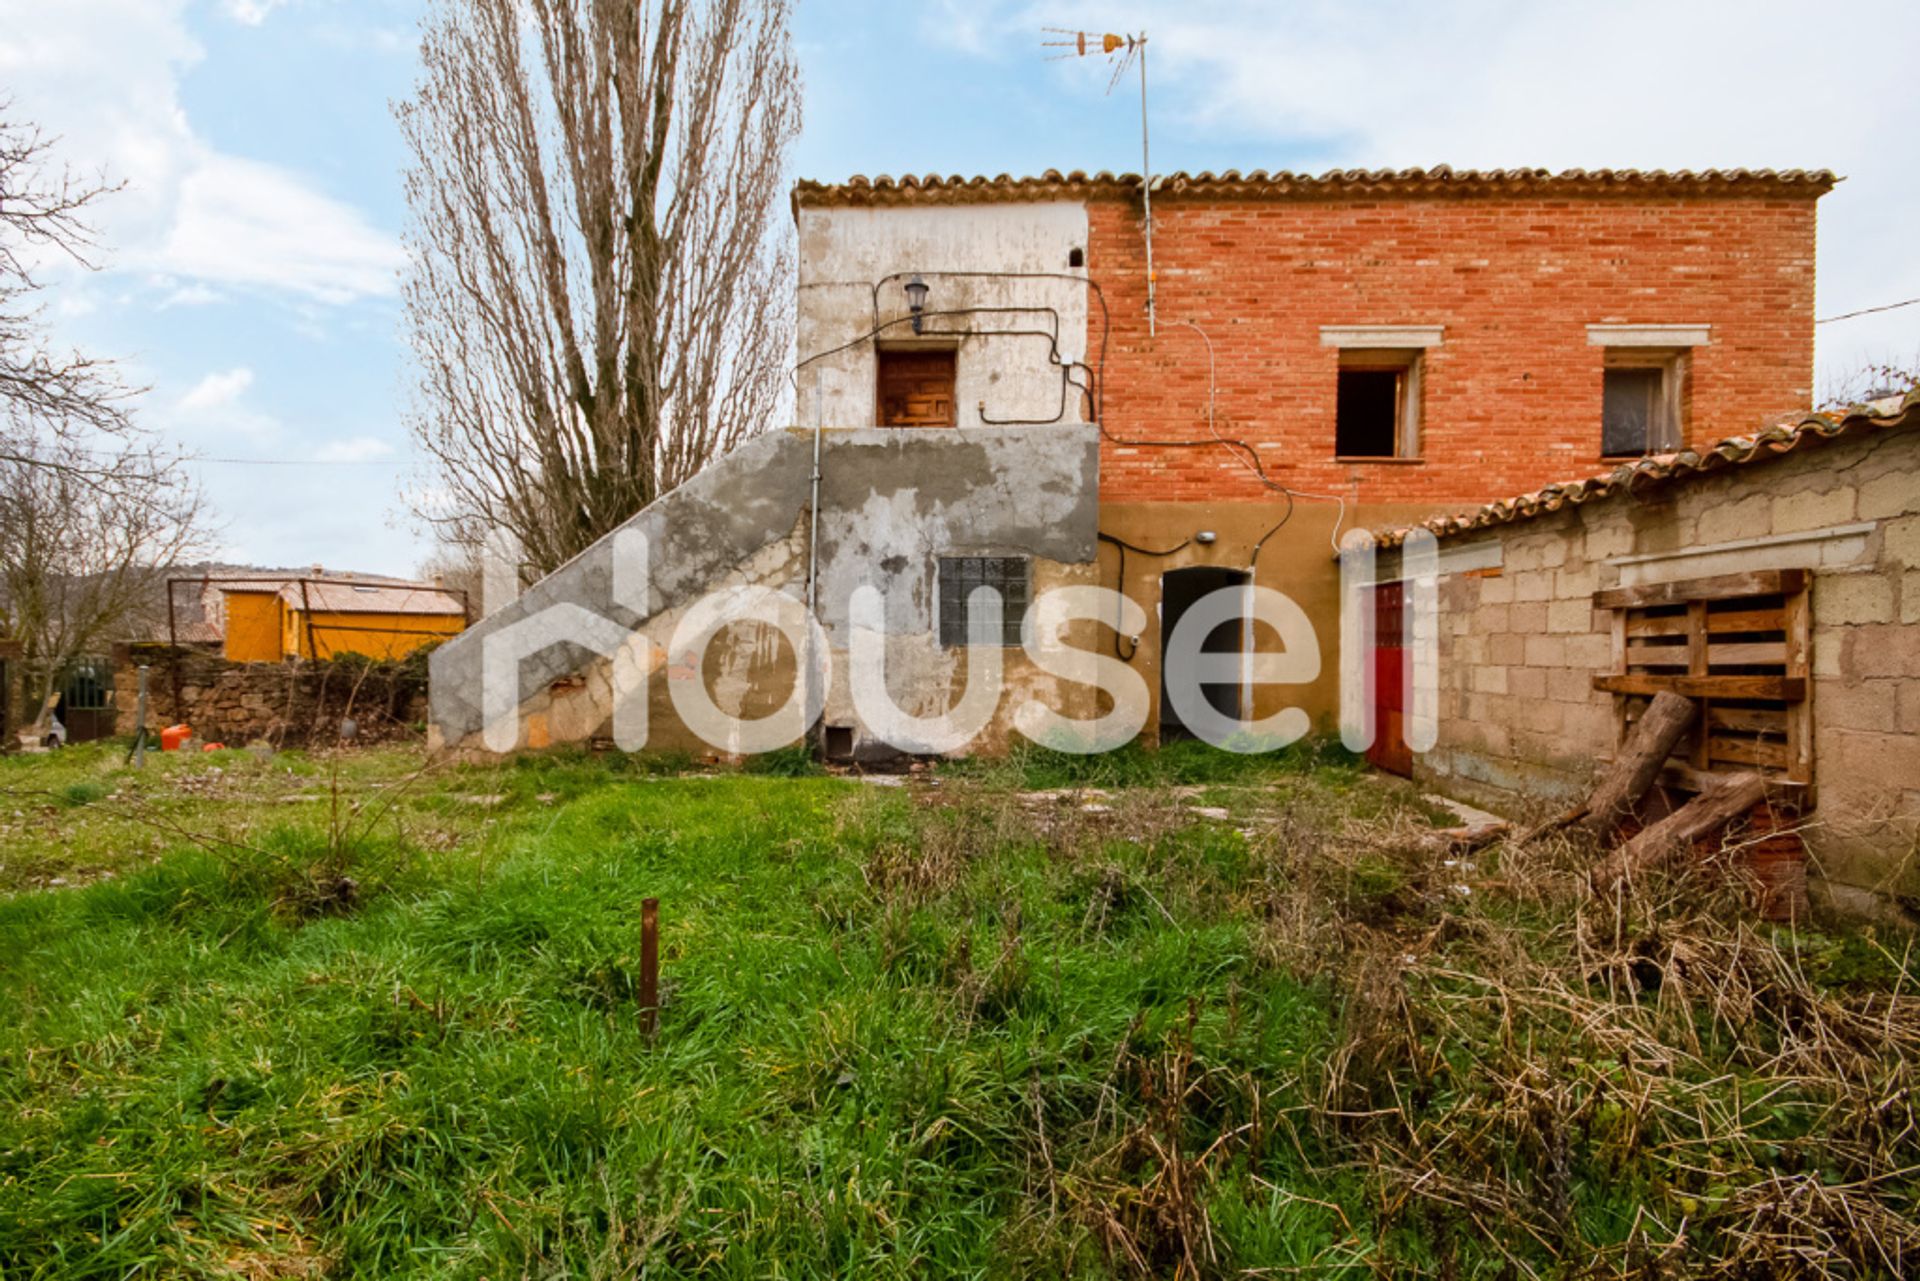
[{"x": 1120, "y": 51}]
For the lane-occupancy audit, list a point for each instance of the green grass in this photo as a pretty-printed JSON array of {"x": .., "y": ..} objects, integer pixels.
[{"x": 337, "y": 1017}]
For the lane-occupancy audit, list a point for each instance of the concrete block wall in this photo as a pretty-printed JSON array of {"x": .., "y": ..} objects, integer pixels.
[{"x": 1519, "y": 644}]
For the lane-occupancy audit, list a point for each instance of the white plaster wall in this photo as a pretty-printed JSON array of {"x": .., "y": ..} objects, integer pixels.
[{"x": 845, "y": 254}]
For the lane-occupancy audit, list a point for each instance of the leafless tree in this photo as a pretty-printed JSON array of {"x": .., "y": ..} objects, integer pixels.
[
  {"x": 50, "y": 402},
  {"x": 93, "y": 510},
  {"x": 600, "y": 298},
  {"x": 81, "y": 561},
  {"x": 458, "y": 568},
  {"x": 1868, "y": 380}
]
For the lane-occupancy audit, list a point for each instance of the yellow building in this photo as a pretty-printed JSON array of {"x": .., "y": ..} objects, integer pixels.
[{"x": 267, "y": 620}]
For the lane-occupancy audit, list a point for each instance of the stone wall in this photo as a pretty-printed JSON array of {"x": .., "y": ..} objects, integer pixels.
[
  {"x": 287, "y": 704},
  {"x": 1520, "y": 641}
]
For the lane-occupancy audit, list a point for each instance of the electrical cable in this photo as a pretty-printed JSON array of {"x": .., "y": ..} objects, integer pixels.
[
  {"x": 1095, "y": 390},
  {"x": 1240, "y": 449},
  {"x": 1120, "y": 583},
  {"x": 1869, "y": 311}
]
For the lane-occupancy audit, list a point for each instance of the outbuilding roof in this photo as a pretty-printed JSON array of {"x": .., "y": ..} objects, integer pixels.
[
  {"x": 370, "y": 598},
  {"x": 1440, "y": 180},
  {"x": 1656, "y": 470}
]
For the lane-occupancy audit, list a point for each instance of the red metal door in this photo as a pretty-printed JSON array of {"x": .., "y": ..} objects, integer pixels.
[{"x": 1387, "y": 672}]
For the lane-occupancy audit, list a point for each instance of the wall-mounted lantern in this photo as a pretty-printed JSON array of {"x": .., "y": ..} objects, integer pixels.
[{"x": 916, "y": 300}]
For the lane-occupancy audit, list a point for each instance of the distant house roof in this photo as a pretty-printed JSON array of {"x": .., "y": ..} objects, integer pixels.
[
  {"x": 371, "y": 598},
  {"x": 1656, "y": 470},
  {"x": 200, "y": 619},
  {"x": 1441, "y": 180}
]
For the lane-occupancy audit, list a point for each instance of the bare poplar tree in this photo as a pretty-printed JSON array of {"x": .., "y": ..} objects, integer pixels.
[{"x": 600, "y": 298}]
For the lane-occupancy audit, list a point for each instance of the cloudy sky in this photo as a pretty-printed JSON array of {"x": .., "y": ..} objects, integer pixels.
[{"x": 251, "y": 283}]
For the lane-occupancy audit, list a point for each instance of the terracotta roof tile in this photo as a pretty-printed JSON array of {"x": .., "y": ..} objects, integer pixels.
[
  {"x": 1440, "y": 180},
  {"x": 1663, "y": 469}
]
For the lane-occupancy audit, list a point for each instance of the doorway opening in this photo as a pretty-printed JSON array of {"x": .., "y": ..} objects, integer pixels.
[{"x": 1180, "y": 590}]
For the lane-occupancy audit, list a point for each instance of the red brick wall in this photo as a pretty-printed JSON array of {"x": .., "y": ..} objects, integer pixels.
[{"x": 1512, "y": 397}]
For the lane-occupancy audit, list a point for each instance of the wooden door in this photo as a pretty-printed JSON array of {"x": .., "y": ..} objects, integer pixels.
[
  {"x": 1387, "y": 672},
  {"x": 915, "y": 389}
]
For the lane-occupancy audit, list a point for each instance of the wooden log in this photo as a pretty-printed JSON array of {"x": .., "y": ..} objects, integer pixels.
[
  {"x": 1705, "y": 814},
  {"x": 1647, "y": 747}
]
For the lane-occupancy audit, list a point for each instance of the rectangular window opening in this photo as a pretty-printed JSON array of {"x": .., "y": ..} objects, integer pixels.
[
  {"x": 959, "y": 576},
  {"x": 1377, "y": 408},
  {"x": 915, "y": 387},
  {"x": 1641, "y": 407}
]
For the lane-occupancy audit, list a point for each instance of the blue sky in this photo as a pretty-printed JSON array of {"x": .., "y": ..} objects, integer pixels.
[{"x": 251, "y": 279}]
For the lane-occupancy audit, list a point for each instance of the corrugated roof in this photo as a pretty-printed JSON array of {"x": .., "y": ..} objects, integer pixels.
[
  {"x": 1440, "y": 180},
  {"x": 370, "y": 598},
  {"x": 1657, "y": 470}
]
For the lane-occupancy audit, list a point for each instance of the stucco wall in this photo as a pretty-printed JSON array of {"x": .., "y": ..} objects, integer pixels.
[
  {"x": 1296, "y": 558},
  {"x": 1521, "y": 643},
  {"x": 999, "y": 287},
  {"x": 892, "y": 502}
]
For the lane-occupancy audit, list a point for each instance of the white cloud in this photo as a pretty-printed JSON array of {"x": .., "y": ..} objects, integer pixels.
[
  {"x": 216, "y": 391},
  {"x": 251, "y": 12},
  {"x": 104, "y": 76},
  {"x": 194, "y": 295},
  {"x": 354, "y": 449},
  {"x": 1501, "y": 84},
  {"x": 246, "y": 223}
]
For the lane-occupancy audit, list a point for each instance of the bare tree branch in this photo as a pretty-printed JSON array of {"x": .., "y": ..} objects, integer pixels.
[
  {"x": 45, "y": 395},
  {"x": 81, "y": 559},
  {"x": 599, "y": 299}
]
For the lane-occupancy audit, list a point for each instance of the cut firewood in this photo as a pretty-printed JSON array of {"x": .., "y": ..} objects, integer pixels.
[
  {"x": 1704, "y": 815},
  {"x": 1638, "y": 764}
]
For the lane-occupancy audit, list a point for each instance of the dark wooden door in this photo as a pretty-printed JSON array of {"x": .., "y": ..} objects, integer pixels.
[
  {"x": 1388, "y": 675},
  {"x": 86, "y": 700},
  {"x": 915, "y": 389}
]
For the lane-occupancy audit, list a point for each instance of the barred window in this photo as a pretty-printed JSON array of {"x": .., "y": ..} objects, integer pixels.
[{"x": 959, "y": 576}]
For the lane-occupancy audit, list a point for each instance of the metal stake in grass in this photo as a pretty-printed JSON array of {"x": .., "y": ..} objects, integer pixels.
[
  {"x": 140, "y": 726},
  {"x": 649, "y": 965}
]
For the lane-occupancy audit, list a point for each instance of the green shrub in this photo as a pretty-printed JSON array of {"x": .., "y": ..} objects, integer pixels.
[{"x": 85, "y": 792}]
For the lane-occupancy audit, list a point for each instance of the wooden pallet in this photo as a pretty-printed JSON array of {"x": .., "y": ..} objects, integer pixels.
[{"x": 1737, "y": 644}]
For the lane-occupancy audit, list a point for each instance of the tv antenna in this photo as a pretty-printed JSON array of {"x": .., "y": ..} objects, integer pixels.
[{"x": 1121, "y": 52}]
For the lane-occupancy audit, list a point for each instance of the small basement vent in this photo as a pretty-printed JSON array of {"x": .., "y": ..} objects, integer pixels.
[{"x": 1738, "y": 645}]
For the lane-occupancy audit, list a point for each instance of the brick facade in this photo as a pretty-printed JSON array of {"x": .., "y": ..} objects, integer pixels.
[{"x": 1511, "y": 397}]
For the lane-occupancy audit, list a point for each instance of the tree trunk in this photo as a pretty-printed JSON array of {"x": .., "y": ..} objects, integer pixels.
[
  {"x": 1703, "y": 815},
  {"x": 1640, "y": 759}
]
